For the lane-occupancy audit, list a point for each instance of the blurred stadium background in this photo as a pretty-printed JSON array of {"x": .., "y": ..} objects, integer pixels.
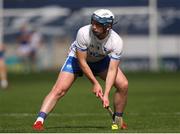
[{"x": 150, "y": 30}]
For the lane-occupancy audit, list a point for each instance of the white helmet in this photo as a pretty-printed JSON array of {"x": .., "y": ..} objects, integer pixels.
[{"x": 103, "y": 16}]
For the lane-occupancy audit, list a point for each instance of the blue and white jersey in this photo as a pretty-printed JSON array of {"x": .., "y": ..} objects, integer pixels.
[{"x": 97, "y": 49}]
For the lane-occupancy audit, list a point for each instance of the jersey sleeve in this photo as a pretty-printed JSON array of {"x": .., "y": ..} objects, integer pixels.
[
  {"x": 117, "y": 49},
  {"x": 80, "y": 41}
]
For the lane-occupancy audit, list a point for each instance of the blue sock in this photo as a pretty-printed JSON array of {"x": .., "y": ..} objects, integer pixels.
[
  {"x": 119, "y": 114},
  {"x": 42, "y": 115}
]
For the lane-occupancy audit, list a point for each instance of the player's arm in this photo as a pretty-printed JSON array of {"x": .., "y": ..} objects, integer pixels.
[
  {"x": 81, "y": 56},
  {"x": 110, "y": 79}
]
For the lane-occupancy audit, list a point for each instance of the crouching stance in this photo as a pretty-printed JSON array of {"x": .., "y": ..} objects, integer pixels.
[{"x": 96, "y": 51}]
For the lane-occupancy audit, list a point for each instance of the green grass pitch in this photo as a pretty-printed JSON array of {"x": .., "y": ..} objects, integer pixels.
[{"x": 153, "y": 105}]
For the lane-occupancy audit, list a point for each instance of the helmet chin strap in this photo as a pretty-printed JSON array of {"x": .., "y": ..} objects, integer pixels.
[{"x": 108, "y": 28}]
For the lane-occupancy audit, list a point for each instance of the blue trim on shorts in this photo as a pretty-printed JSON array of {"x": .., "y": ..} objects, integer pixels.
[{"x": 71, "y": 65}]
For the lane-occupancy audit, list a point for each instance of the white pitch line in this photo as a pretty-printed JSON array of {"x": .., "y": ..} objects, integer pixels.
[
  {"x": 52, "y": 114},
  {"x": 79, "y": 114}
]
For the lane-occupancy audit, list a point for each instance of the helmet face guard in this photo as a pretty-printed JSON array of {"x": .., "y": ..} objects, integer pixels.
[{"x": 102, "y": 20}]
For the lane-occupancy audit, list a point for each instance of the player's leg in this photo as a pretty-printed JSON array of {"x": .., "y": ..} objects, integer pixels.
[
  {"x": 120, "y": 96},
  {"x": 67, "y": 76},
  {"x": 60, "y": 88},
  {"x": 3, "y": 73},
  {"x": 3, "y": 70}
]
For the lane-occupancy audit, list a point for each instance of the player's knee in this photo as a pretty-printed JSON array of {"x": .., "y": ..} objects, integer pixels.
[
  {"x": 59, "y": 92},
  {"x": 124, "y": 85},
  {"x": 124, "y": 88},
  {"x": 121, "y": 85}
]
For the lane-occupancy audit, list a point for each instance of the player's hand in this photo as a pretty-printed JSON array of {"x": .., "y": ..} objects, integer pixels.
[
  {"x": 105, "y": 101},
  {"x": 97, "y": 90}
]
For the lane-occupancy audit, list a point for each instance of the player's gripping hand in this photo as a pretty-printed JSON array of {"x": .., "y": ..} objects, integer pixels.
[
  {"x": 97, "y": 90},
  {"x": 105, "y": 101}
]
